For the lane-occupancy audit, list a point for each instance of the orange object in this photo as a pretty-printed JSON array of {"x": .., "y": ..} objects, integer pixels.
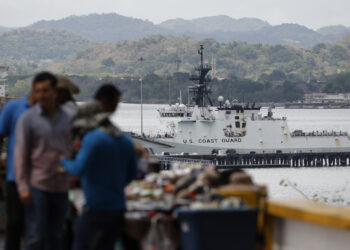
[{"x": 169, "y": 188}]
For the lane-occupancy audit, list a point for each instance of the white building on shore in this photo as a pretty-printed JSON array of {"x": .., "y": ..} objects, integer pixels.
[{"x": 326, "y": 98}]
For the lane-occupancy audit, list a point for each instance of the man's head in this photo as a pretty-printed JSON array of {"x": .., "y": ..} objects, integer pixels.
[
  {"x": 65, "y": 90},
  {"x": 44, "y": 89},
  {"x": 63, "y": 96},
  {"x": 108, "y": 95}
]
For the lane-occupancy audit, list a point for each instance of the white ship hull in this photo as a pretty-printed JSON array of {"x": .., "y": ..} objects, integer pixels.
[{"x": 215, "y": 130}]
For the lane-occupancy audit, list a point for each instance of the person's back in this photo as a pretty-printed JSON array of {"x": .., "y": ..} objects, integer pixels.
[
  {"x": 106, "y": 163},
  {"x": 109, "y": 164}
]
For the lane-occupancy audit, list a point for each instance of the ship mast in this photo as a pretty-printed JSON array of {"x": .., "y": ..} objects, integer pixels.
[{"x": 200, "y": 92}]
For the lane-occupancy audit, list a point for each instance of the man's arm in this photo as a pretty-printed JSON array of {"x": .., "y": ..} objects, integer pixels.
[
  {"x": 84, "y": 158},
  {"x": 2, "y": 164},
  {"x": 5, "y": 120},
  {"x": 22, "y": 158}
]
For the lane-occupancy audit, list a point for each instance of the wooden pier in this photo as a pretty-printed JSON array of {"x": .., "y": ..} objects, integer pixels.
[{"x": 254, "y": 160}]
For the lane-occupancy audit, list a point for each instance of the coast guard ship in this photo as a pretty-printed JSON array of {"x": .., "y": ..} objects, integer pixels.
[{"x": 202, "y": 128}]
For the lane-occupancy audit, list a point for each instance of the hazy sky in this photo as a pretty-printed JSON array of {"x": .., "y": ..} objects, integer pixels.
[{"x": 312, "y": 13}]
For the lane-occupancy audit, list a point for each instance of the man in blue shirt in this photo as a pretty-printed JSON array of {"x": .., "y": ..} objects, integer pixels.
[
  {"x": 105, "y": 163},
  {"x": 14, "y": 209}
]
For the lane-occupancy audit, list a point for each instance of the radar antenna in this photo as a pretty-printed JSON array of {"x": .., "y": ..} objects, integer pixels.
[{"x": 200, "y": 92}]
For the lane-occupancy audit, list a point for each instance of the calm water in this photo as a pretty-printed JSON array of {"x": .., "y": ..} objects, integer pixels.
[{"x": 330, "y": 185}]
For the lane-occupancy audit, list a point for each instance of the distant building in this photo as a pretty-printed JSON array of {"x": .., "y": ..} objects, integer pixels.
[
  {"x": 326, "y": 98},
  {"x": 2, "y": 91},
  {"x": 3, "y": 80}
]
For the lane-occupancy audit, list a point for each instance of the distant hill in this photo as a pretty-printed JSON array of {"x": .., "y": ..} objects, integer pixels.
[
  {"x": 335, "y": 32},
  {"x": 113, "y": 27},
  {"x": 104, "y": 27},
  {"x": 214, "y": 23},
  {"x": 4, "y": 29},
  {"x": 288, "y": 34},
  {"x": 292, "y": 34},
  {"x": 31, "y": 45}
]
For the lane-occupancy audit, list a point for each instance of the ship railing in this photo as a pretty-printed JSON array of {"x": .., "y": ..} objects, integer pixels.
[
  {"x": 175, "y": 113},
  {"x": 166, "y": 135},
  {"x": 298, "y": 133},
  {"x": 266, "y": 118},
  {"x": 169, "y": 159}
]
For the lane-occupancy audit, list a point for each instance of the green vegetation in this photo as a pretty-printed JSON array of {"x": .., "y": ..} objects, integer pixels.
[
  {"x": 3, "y": 29},
  {"x": 249, "y": 72},
  {"x": 252, "y": 61},
  {"x": 156, "y": 89},
  {"x": 108, "y": 62},
  {"x": 32, "y": 46},
  {"x": 338, "y": 83}
]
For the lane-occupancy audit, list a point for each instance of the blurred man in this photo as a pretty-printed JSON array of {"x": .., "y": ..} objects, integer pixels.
[
  {"x": 65, "y": 91},
  {"x": 106, "y": 163},
  {"x": 14, "y": 209},
  {"x": 42, "y": 135},
  {"x": 94, "y": 114}
]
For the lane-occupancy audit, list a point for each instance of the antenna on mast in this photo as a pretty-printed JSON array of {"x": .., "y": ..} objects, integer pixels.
[
  {"x": 141, "y": 59},
  {"x": 177, "y": 61},
  {"x": 200, "y": 92},
  {"x": 200, "y": 52},
  {"x": 213, "y": 66}
]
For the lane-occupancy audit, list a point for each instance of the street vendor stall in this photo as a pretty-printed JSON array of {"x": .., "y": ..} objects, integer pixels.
[{"x": 192, "y": 208}]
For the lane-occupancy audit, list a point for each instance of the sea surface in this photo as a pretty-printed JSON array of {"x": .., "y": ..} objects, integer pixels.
[{"x": 330, "y": 185}]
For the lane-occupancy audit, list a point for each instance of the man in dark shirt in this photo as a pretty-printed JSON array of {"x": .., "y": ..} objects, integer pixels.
[{"x": 105, "y": 163}]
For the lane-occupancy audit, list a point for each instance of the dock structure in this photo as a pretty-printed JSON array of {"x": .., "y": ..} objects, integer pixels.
[{"x": 265, "y": 160}]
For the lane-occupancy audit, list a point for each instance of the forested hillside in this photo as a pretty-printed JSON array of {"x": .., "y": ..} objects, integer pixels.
[
  {"x": 254, "y": 61},
  {"x": 3, "y": 29},
  {"x": 156, "y": 88},
  {"x": 21, "y": 45}
]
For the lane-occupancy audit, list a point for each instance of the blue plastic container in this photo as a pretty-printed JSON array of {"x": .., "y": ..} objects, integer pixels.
[{"x": 218, "y": 229}]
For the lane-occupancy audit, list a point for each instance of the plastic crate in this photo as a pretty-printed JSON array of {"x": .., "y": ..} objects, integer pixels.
[{"x": 218, "y": 229}]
